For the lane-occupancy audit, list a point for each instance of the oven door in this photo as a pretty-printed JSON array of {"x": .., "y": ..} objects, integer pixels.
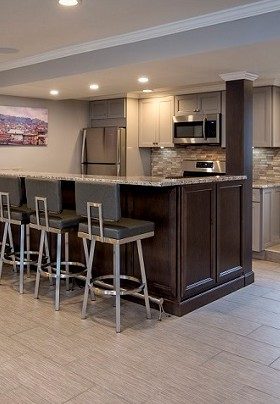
[{"x": 196, "y": 129}]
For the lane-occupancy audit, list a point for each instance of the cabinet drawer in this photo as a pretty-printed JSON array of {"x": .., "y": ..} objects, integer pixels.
[{"x": 256, "y": 195}]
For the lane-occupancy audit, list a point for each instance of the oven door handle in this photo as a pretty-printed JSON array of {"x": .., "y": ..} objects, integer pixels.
[{"x": 204, "y": 128}]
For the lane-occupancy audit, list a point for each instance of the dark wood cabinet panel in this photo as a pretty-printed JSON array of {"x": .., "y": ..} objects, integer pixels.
[
  {"x": 160, "y": 252},
  {"x": 197, "y": 259},
  {"x": 229, "y": 231}
]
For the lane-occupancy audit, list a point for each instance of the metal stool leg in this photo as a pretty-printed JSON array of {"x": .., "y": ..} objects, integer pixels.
[
  {"x": 117, "y": 285},
  {"x": 28, "y": 249},
  {"x": 11, "y": 242},
  {"x": 47, "y": 253},
  {"x": 4, "y": 239},
  {"x": 144, "y": 280},
  {"x": 85, "y": 244},
  {"x": 89, "y": 259},
  {"x": 66, "y": 249},
  {"x": 58, "y": 268},
  {"x": 21, "y": 257},
  {"x": 41, "y": 247}
]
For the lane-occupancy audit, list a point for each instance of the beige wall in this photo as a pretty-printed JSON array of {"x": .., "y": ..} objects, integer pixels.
[{"x": 66, "y": 119}]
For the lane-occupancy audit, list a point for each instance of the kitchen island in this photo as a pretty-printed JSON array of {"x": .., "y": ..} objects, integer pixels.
[{"x": 195, "y": 256}]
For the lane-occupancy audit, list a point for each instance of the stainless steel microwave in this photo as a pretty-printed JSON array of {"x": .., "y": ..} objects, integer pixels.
[{"x": 197, "y": 129}]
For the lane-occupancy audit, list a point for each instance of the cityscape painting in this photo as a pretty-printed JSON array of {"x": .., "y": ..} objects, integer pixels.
[{"x": 23, "y": 126}]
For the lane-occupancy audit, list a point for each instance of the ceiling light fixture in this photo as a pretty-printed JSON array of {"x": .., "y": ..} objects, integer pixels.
[
  {"x": 54, "y": 92},
  {"x": 146, "y": 90},
  {"x": 69, "y": 3},
  {"x": 94, "y": 86},
  {"x": 143, "y": 79}
]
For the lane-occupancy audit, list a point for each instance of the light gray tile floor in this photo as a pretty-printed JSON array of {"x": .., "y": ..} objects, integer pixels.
[{"x": 226, "y": 352}]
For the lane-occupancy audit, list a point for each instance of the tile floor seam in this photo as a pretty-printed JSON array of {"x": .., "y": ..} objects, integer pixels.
[
  {"x": 263, "y": 342},
  {"x": 250, "y": 360},
  {"x": 273, "y": 362}
]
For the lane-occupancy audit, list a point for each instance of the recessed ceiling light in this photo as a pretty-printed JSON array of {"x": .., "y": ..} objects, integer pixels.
[
  {"x": 54, "y": 92},
  {"x": 146, "y": 90},
  {"x": 69, "y": 3},
  {"x": 94, "y": 86},
  {"x": 143, "y": 79}
]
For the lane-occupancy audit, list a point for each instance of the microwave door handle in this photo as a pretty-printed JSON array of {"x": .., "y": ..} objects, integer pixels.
[{"x": 204, "y": 128}]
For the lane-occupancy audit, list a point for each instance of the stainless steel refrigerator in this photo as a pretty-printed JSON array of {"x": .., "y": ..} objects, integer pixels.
[{"x": 104, "y": 151}]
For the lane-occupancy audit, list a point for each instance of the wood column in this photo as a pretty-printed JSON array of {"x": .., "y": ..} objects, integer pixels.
[{"x": 239, "y": 156}]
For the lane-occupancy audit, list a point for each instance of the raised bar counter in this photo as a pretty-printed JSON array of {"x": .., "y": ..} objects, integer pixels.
[
  {"x": 142, "y": 181},
  {"x": 195, "y": 256}
]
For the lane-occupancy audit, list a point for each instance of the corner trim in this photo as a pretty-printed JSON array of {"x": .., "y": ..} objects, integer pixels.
[
  {"x": 243, "y": 75},
  {"x": 206, "y": 20}
]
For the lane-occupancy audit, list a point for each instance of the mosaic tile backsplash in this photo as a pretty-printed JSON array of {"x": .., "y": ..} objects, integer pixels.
[
  {"x": 168, "y": 161},
  {"x": 266, "y": 163}
]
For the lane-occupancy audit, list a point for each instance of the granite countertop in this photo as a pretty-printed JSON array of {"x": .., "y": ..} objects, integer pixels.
[
  {"x": 144, "y": 181},
  {"x": 268, "y": 183}
]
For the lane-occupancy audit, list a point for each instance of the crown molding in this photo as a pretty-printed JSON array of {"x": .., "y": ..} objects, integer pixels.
[
  {"x": 243, "y": 75},
  {"x": 206, "y": 20}
]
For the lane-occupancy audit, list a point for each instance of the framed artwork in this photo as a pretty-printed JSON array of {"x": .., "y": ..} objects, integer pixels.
[{"x": 23, "y": 126}]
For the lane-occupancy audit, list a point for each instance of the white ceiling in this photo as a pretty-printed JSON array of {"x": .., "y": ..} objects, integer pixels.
[
  {"x": 36, "y": 26},
  {"x": 171, "y": 62}
]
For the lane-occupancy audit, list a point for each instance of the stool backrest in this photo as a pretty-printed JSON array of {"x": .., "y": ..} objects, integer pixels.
[
  {"x": 49, "y": 189},
  {"x": 106, "y": 194},
  {"x": 12, "y": 186}
]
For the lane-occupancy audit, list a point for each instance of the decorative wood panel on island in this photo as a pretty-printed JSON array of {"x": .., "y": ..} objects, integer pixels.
[{"x": 195, "y": 256}]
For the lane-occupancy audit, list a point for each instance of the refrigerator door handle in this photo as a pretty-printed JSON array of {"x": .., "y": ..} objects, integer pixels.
[
  {"x": 118, "y": 152},
  {"x": 83, "y": 157},
  {"x": 83, "y": 160}
]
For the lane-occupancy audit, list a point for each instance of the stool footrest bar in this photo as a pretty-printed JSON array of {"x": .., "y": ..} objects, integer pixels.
[
  {"x": 99, "y": 282},
  {"x": 63, "y": 272}
]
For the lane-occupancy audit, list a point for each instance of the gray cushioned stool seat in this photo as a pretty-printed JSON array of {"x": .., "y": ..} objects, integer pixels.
[
  {"x": 63, "y": 220},
  {"x": 123, "y": 228},
  {"x": 21, "y": 214}
]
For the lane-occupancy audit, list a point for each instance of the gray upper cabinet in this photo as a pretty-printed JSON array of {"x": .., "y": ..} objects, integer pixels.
[
  {"x": 223, "y": 110},
  {"x": 103, "y": 109},
  {"x": 155, "y": 122},
  {"x": 266, "y": 110},
  {"x": 262, "y": 117},
  {"x": 98, "y": 109},
  {"x": 266, "y": 117},
  {"x": 206, "y": 103}
]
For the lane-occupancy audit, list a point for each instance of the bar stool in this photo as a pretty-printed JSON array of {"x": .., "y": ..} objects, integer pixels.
[
  {"x": 13, "y": 211},
  {"x": 45, "y": 198},
  {"x": 100, "y": 204}
]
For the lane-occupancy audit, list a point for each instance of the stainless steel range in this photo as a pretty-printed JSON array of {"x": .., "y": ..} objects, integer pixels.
[{"x": 202, "y": 168}]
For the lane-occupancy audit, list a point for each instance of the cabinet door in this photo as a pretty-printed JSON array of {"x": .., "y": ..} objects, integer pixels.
[
  {"x": 209, "y": 103},
  {"x": 267, "y": 218},
  {"x": 186, "y": 104},
  {"x": 165, "y": 123},
  {"x": 197, "y": 241},
  {"x": 148, "y": 122},
  {"x": 116, "y": 108},
  {"x": 256, "y": 227},
  {"x": 98, "y": 109},
  {"x": 276, "y": 116},
  {"x": 262, "y": 117},
  {"x": 229, "y": 231},
  {"x": 223, "y": 132},
  {"x": 275, "y": 216}
]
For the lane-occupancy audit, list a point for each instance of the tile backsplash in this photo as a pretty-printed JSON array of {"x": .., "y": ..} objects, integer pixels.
[
  {"x": 168, "y": 161},
  {"x": 266, "y": 163}
]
